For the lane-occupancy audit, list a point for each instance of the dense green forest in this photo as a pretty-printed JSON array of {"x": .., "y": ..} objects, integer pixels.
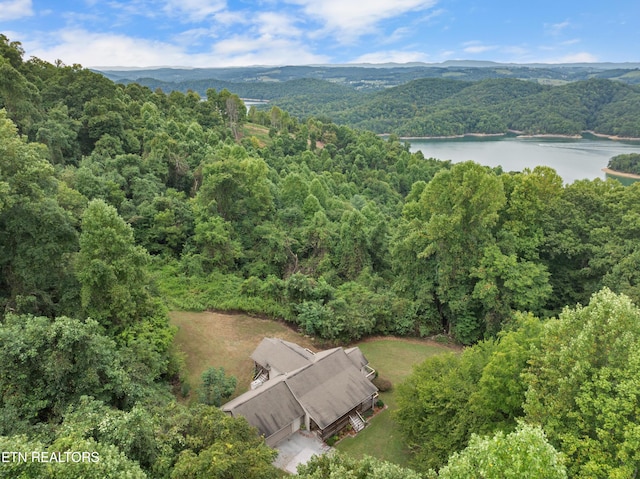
[
  {"x": 448, "y": 107},
  {"x": 629, "y": 163},
  {"x": 435, "y": 102},
  {"x": 118, "y": 202}
]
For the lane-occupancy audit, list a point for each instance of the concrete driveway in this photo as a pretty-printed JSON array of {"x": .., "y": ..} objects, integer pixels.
[{"x": 298, "y": 449}]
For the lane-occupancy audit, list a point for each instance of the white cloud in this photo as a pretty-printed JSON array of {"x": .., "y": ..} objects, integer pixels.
[
  {"x": 398, "y": 34},
  {"x": 477, "y": 47},
  {"x": 15, "y": 9},
  {"x": 277, "y": 25},
  {"x": 228, "y": 18},
  {"x": 104, "y": 50},
  {"x": 350, "y": 19},
  {"x": 392, "y": 56},
  {"x": 194, "y": 10},
  {"x": 556, "y": 28},
  {"x": 515, "y": 50},
  {"x": 80, "y": 19},
  {"x": 128, "y": 8},
  {"x": 432, "y": 15},
  {"x": 237, "y": 45},
  {"x": 195, "y": 36},
  {"x": 581, "y": 57},
  {"x": 265, "y": 50},
  {"x": 100, "y": 49}
]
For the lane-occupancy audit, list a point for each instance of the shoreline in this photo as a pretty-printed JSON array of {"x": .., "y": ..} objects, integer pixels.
[
  {"x": 612, "y": 137},
  {"x": 621, "y": 174},
  {"x": 552, "y": 136},
  {"x": 520, "y": 134},
  {"x": 450, "y": 137}
]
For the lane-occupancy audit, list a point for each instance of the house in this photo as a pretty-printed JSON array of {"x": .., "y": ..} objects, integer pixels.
[{"x": 295, "y": 387}]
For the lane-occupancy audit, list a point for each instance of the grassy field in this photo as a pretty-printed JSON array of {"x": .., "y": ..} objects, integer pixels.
[{"x": 227, "y": 340}]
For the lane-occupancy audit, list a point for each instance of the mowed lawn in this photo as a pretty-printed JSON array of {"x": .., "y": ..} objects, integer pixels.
[
  {"x": 394, "y": 359},
  {"x": 215, "y": 339},
  {"x": 225, "y": 340}
]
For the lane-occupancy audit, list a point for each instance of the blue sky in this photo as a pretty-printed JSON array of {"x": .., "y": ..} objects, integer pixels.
[{"x": 216, "y": 33}]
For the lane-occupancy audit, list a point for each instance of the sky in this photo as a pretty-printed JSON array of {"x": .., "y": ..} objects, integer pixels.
[{"x": 222, "y": 33}]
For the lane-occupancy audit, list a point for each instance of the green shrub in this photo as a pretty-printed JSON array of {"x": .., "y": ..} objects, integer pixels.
[
  {"x": 382, "y": 383},
  {"x": 216, "y": 386},
  {"x": 442, "y": 339},
  {"x": 332, "y": 441},
  {"x": 185, "y": 389}
]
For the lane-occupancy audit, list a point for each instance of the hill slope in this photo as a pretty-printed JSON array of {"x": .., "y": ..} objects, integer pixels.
[{"x": 436, "y": 107}]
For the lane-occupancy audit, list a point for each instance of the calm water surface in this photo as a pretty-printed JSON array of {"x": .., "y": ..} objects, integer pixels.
[{"x": 572, "y": 159}]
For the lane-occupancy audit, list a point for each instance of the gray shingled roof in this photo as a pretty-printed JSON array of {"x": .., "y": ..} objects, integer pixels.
[
  {"x": 269, "y": 408},
  {"x": 357, "y": 357},
  {"x": 282, "y": 355},
  {"x": 327, "y": 385},
  {"x": 330, "y": 387}
]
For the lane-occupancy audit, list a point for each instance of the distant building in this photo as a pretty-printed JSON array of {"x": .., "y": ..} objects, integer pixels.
[{"x": 295, "y": 387}]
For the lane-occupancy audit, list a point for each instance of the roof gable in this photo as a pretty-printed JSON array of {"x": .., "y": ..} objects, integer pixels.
[
  {"x": 330, "y": 387},
  {"x": 269, "y": 408},
  {"x": 357, "y": 357},
  {"x": 326, "y": 386},
  {"x": 281, "y": 355}
]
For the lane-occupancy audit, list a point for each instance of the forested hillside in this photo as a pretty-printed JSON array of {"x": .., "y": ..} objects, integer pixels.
[
  {"x": 117, "y": 202},
  {"x": 319, "y": 90},
  {"x": 445, "y": 107},
  {"x": 629, "y": 163},
  {"x": 420, "y": 101}
]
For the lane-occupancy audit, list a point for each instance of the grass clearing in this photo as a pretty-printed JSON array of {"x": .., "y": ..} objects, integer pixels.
[
  {"x": 218, "y": 339},
  {"x": 215, "y": 339},
  {"x": 260, "y": 132}
]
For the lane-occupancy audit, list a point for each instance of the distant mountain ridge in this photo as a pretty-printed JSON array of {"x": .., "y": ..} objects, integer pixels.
[
  {"x": 379, "y": 76},
  {"x": 445, "y": 64}
]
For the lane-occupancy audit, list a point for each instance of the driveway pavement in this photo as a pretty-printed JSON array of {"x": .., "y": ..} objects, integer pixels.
[{"x": 298, "y": 449}]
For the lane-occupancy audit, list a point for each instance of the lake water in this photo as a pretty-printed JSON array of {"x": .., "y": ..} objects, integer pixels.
[{"x": 572, "y": 159}]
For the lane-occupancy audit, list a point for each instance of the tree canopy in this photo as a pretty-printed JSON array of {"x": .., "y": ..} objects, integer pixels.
[
  {"x": 118, "y": 202},
  {"x": 524, "y": 453},
  {"x": 627, "y": 163},
  {"x": 583, "y": 386}
]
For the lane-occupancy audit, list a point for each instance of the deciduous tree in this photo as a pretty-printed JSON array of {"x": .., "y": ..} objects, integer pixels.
[
  {"x": 46, "y": 365},
  {"x": 456, "y": 214},
  {"x": 339, "y": 466},
  {"x": 216, "y": 386},
  {"x": 523, "y": 454},
  {"x": 584, "y": 388},
  {"x": 433, "y": 405},
  {"x": 110, "y": 268}
]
